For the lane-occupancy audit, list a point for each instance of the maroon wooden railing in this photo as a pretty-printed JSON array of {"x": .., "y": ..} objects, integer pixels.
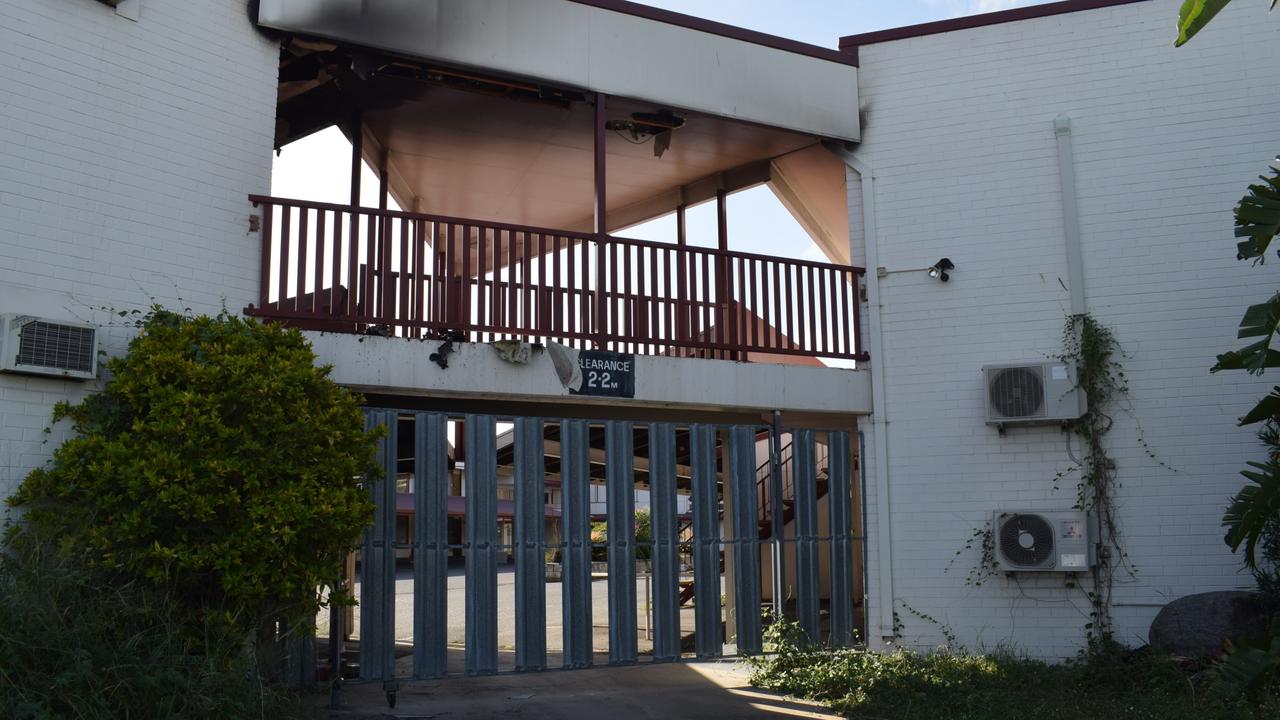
[{"x": 364, "y": 270}]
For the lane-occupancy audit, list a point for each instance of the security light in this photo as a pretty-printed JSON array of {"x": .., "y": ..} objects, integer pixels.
[{"x": 939, "y": 269}]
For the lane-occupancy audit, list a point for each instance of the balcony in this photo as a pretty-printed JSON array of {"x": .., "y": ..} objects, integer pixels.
[{"x": 346, "y": 269}]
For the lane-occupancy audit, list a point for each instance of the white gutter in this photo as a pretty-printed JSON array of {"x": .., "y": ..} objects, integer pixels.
[
  {"x": 1070, "y": 213},
  {"x": 879, "y": 406}
]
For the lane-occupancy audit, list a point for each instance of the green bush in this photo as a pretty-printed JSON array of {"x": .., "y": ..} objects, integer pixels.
[
  {"x": 1109, "y": 682},
  {"x": 75, "y": 646},
  {"x": 644, "y": 538},
  {"x": 218, "y": 465}
]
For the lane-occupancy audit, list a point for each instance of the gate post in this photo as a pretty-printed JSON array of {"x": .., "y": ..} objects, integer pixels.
[
  {"x": 530, "y": 529},
  {"x": 620, "y": 500},
  {"x": 805, "y": 476},
  {"x": 431, "y": 541},
  {"x": 665, "y": 556},
  {"x": 575, "y": 517},
  {"x": 706, "y": 542},
  {"x": 378, "y": 559},
  {"x": 746, "y": 538},
  {"x": 839, "y": 484},
  {"x": 481, "y": 482}
]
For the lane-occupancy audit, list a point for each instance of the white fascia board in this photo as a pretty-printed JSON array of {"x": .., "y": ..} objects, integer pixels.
[{"x": 599, "y": 50}]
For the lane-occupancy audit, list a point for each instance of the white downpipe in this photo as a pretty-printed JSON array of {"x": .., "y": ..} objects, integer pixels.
[
  {"x": 879, "y": 407},
  {"x": 1070, "y": 213}
]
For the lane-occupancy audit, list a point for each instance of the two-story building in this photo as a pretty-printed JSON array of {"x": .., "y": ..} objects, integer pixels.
[{"x": 827, "y": 423}]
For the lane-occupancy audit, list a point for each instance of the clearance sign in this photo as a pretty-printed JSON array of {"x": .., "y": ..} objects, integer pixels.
[{"x": 607, "y": 373}]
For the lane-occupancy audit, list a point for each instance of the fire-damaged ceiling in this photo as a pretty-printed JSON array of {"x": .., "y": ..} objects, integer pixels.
[{"x": 470, "y": 143}]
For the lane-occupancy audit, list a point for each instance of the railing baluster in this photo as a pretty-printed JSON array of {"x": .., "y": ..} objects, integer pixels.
[
  {"x": 526, "y": 279},
  {"x": 856, "y": 322},
  {"x": 513, "y": 310},
  {"x": 756, "y": 316},
  {"x": 402, "y": 278},
  {"x": 667, "y": 317},
  {"x": 812, "y": 345},
  {"x": 822, "y": 306},
  {"x": 300, "y": 304},
  {"x": 283, "y": 275},
  {"x": 419, "y": 277},
  {"x": 628, "y": 304},
  {"x": 318, "y": 271},
  {"x": 708, "y": 330},
  {"x": 335, "y": 265},
  {"x": 265, "y": 275},
  {"x": 499, "y": 302},
  {"x": 540, "y": 306},
  {"x": 483, "y": 320},
  {"x": 468, "y": 282},
  {"x": 740, "y": 309},
  {"x": 371, "y": 271},
  {"x": 653, "y": 300}
]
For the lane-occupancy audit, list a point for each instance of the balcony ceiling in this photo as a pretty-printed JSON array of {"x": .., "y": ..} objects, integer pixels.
[{"x": 469, "y": 154}]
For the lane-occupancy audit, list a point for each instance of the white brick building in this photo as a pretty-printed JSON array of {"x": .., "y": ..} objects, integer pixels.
[
  {"x": 959, "y": 134},
  {"x": 128, "y": 149},
  {"x": 133, "y": 138}
]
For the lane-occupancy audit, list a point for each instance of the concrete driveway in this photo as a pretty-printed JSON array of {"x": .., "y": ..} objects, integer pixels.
[
  {"x": 693, "y": 691},
  {"x": 456, "y": 600}
]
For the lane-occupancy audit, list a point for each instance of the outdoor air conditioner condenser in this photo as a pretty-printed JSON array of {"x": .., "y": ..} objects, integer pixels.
[
  {"x": 39, "y": 346},
  {"x": 1043, "y": 541},
  {"x": 1032, "y": 393}
]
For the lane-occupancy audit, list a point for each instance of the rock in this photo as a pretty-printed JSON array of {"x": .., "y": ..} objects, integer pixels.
[{"x": 1198, "y": 625}]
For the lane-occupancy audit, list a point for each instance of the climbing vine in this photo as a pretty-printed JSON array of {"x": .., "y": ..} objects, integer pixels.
[
  {"x": 982, "y": 538},
  {"x": 1091, "y": 347}
]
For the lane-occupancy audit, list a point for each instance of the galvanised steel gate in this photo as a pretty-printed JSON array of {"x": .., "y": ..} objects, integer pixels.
[{"x": 735, "y": 507}]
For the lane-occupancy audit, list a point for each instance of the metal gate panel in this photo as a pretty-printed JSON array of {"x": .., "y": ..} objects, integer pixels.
[
  {"x": 530, "y": 530},
  {"x": 431, "y": 548},
  {"x": 706, "y": 542},
  {"x": 481, "y": 482},
  {"x": 620, "y": 502},
  {"x": 805, "y": 479},
  {"x": 746, "y": 537},
  {"x": 575, "y": 519},
  {"x": 665, "y": 556},
  {"x": 734, "y": 465},
  {"x": 839, "y": 484},
  {"x": 777, "y": 520},
  {"x": 378, "y": 560}
]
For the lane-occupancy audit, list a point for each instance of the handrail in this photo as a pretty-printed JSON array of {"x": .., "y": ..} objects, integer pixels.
[
  {"x": 258, "y": 200},
  {"x": 355, "y": 269}
]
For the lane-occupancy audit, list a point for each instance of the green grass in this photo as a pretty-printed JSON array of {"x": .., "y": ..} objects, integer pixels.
[{"x": 1114, "y": 683}]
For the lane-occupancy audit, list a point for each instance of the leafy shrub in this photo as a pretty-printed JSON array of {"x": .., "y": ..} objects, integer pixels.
[
  {"x": 1107, "y": 683},
  {"x": 218, "y": 464},
  {"x": 75, "y": 646},
  {"x": 644, "y": 538}
]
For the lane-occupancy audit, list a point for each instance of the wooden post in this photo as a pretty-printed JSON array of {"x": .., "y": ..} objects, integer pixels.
[{"x": 601, "y": 229}]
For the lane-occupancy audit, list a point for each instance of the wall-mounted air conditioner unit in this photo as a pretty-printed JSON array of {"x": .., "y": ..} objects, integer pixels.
[
  {"x": 1032, "y": 393},
  {"x": 39, "y": 346},
  {"x": 1043, "y": 541}
]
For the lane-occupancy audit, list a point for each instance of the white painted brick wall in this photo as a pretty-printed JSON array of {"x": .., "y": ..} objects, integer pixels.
[
  {"x": 128, "y": 151},
  {"x": 960, "y": 135}
]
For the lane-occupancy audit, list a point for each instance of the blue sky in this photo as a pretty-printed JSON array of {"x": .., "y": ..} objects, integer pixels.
[
  {"x": 823, "y": 22},
  {"x": 314, "y": 168}
]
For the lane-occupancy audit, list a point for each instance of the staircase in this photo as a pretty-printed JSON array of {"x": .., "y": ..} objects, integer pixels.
[{"x": 764, "y": 503}]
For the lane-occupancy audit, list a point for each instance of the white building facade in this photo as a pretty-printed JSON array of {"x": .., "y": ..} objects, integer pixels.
[
  {"x": 135, "y": 134},
  {"x": 960, "y": 139}
]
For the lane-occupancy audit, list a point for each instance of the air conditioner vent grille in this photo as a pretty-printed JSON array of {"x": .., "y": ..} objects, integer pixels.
[
  {"x": 1018, "y": 392},
  {"x": 1026, "y": 540},
  {"x": 51, "y": 345}
]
